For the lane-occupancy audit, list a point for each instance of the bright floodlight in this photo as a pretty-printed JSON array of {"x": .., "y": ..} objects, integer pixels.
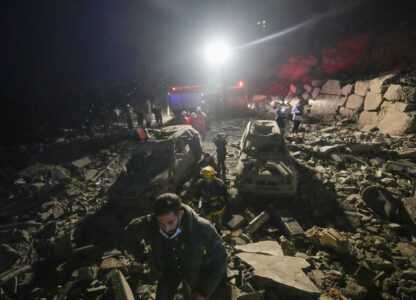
[{"x": 218, "y": 52}]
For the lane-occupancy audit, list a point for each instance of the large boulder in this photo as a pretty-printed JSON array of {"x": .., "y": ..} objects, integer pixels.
[
  {"x": 346, "y": 90},
  {"x": 393, "y": 120},
  {"x": 361, "y": 88},
  {"x": 315, "y": 92},
  {"x": 325, "y": 105},
  {"x": 398, "y": 92},
  {"x": 331, "y": 87},
  {"x": 373, "y": 101},
  {"x": 367, "y": 119},
  {"x": 378, "y": 85},
  {"x": 354, "y": 102}
]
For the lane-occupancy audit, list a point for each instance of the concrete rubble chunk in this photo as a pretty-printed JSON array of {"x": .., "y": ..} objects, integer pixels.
[
  {"x": 381, "y": 201},
  {"x": 354, "y": 102},
  {"x": 409, "y": 204},
  {"x": 372, "y": 101},
  {"x": 328, "y": 238},
  {"x": 82, "y": 162},
  {"x": 257, "y": 295},
  {"x": 258, "y": 221},
  {"x": 237, "y": 221},
  {"x": 110, "y": 263},
  {"x": 284, "y": 272},
  {"x": 289, "y": 223},
  {"x": 120, "y": 287},
  {"x": 307, "y": 88},
  {"x": 264, "y": 247},
  {"x": 61, "y": 174},
  {"x": 90, "y": 174},
  {"x": 361, "y": 88},
  {"x": 331, "y": 87}
]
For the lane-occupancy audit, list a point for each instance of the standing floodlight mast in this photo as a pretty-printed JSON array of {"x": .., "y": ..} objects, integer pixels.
[{"x": 217, "y": 52}]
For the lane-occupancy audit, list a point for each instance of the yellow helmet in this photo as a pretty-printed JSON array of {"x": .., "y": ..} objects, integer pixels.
[{"x": 208, "y": 172}]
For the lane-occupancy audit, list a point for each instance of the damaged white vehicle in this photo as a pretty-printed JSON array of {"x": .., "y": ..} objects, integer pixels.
[
  {"x": 159, "y": 165},
  {"x": 265, "y": 167}
]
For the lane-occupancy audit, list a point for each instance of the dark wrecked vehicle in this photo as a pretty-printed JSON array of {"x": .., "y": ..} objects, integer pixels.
[
  {"x": 265, "y": 167},
  {"x": 158, "y": 165}
]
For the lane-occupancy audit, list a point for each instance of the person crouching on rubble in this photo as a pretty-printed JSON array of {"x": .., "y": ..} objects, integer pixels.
[
  {"x": 182, "y": 247},
  {"x": 211, "y": 194}
]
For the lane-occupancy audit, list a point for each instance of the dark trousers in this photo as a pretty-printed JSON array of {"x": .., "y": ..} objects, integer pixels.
[
  {"x": 295, "y": 126},
  {"x": 167, "y": 287},
  {"x": 221, "y": 164}
]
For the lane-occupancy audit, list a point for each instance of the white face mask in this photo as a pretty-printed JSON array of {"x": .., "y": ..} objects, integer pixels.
[{"x": 177, "y": 232}]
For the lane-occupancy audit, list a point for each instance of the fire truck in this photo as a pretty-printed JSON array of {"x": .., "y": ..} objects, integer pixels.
[{"x": 210, "y": 99}]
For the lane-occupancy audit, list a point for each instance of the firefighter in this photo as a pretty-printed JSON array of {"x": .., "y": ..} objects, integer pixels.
[
  {"x": 220, "y": 143},
  {"x": 180, "y": 247},
  {"x": 211, "y": 194},
  {"x": 281, "y": 119}
]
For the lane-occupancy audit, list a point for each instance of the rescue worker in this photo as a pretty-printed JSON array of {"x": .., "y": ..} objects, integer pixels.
[
  {"x": 297, "y": 112},
  {"x": 211, "y": 194},
  {"x": 220, "y": 143},
  {"x": 200, "y": 122},
  {"x": 182, "y": 247},
  {"x": 206, "y": 160},
  {"x": 184, "y": 118},
  {"x": 281, "y": 119}
]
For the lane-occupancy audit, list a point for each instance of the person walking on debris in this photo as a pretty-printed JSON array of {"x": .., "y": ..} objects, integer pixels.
[
  {"x": 220, "y": 143},
  {"x": 200, "y": 122},
  {"x": 182, "y": 247},
  {"x": 158, "y": 115},
  {"x": 139, "y": 113},
  {"x": 148, "y": 117},
  {"x": 211, "y": 194},
  {"x": 281, "y": 119},
  {"x": 206, "y": 160},
  {"x": 297, "y": 112}
]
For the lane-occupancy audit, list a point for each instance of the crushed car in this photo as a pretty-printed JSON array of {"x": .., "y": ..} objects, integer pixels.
[
  {"x": 158, "y": 165},
  {"x": 265, "y": 167}
]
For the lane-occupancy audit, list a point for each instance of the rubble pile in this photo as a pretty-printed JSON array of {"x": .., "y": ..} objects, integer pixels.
[
  {"x": 387, "y": 103},
  {"x": 347, "y": 233}
]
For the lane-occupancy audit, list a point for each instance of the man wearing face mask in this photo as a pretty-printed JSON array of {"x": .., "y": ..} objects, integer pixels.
[{"x": 181, "y": 246}]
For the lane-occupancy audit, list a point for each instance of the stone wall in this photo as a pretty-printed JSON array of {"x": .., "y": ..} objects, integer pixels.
[{"x": 387, "y": 102}]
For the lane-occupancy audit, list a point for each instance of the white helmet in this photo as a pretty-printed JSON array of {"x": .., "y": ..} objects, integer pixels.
[
  {"x": 198, "y": 109},
  {"x": 183, "y": 113}
]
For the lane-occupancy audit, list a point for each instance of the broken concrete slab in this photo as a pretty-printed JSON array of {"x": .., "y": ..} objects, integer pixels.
[
  {"x": 328, "y": 238},
  {"x": 263, "y": 247},
  {"x": 282, "y": 272},
  {"x": 82, "y": 162},
  {"x": 121, "y": 289}
]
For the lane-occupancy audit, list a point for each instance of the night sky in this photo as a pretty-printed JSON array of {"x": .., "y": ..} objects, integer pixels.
[{"x": 57, "y": 56}]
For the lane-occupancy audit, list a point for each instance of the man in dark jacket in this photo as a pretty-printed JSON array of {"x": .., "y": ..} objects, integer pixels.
[
  {"x": 183, "y": 247},
  {"x": 220, "y": 143},
  {"x": 206, "y": 160}
]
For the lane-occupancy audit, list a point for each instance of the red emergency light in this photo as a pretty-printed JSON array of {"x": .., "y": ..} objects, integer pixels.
[{"x": 241, "y": 84}]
